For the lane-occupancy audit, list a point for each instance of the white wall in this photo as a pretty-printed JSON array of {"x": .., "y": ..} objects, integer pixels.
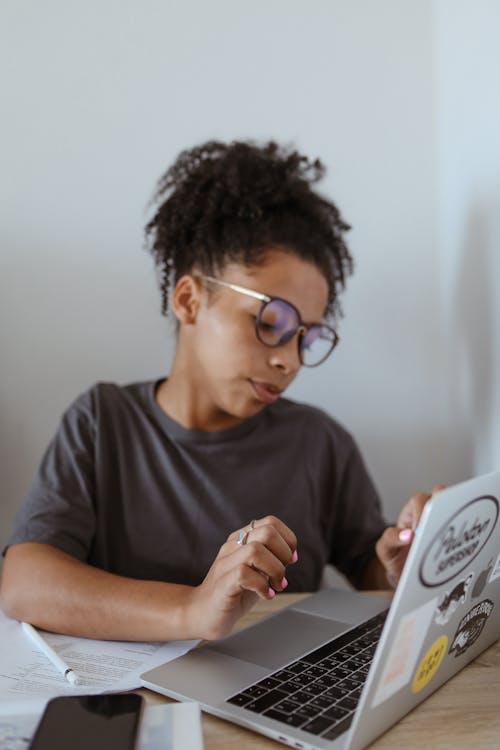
[
  {"x": 99, "y": 97},
  {"x": 468, "y": 163}
]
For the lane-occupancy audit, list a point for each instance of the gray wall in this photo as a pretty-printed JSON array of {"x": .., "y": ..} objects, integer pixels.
[{"x": 99, "y": 97}]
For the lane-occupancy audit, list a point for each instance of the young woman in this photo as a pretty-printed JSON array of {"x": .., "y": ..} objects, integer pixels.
[{"x": 162, "y": 510}]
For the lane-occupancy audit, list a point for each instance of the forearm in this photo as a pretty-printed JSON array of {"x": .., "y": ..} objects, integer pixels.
[
  {"x": 374, "y": 576},
  {"x": 54, "y": 591}
]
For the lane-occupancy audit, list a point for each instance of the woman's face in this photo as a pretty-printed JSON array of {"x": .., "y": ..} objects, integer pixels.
[{"x": 236, "y": 374}]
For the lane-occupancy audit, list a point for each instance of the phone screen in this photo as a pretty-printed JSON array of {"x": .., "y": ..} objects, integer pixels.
[{"x": 89, "y": 722}]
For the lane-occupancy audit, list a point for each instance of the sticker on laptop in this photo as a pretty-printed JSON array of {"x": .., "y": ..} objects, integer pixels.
[
  {"x": 405, "y": 648},
  {"x": 482, "y": 580},
  {"x": 470, "y": 627},
  {"x": 451, "y": 600},
  {"x": 429, "y": 664},
  {"x": 496, "y": 570},
  {"x": 459, "y": 541}
]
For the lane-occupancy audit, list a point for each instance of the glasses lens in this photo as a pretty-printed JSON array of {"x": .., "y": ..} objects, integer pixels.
[
  {"x": 277, "y": 322},
  {"x": 316, "y": 344}
]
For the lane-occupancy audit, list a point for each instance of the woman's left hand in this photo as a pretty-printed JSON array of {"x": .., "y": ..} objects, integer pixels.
[{"x": 394, "y": 545}]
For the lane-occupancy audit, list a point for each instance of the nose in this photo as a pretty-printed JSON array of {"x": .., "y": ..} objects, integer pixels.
[{"x": 286, "y": 356}]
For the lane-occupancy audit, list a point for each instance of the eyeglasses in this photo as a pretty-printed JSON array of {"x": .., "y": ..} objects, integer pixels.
[{"x": 278, "y": 321}]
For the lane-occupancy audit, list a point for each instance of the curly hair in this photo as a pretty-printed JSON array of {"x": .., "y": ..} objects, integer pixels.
[{"x": 221, "y": 203}]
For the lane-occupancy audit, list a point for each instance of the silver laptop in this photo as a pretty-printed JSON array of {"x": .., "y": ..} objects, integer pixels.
[{"x": 339, "y": 668}]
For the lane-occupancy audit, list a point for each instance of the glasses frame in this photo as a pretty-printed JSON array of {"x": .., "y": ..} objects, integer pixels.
[{"x": 302, "y": 326}]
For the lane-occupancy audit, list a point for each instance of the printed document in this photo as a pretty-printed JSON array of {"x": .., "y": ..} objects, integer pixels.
[{"x": 103, "y": 666}]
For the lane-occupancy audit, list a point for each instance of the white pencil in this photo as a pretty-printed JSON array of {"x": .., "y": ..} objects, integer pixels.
[{"x": 56, "y": 660}]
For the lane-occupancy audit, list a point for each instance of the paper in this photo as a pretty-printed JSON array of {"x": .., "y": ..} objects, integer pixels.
[
  {"x": 175, "y": 726},
  {"x": 163, "y": 727},
  {"x": 25, "y": 672},
  {"x": 18, "y": 723}
]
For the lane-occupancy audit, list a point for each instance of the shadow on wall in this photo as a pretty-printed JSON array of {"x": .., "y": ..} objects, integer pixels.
[{"x": 472, "y": 344}]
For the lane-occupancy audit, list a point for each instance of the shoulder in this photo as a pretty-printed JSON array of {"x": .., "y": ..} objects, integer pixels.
[{"x": 107, "y": 398}]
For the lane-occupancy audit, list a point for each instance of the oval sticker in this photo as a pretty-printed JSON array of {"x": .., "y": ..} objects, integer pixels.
[{"x": 459, "y": 541}]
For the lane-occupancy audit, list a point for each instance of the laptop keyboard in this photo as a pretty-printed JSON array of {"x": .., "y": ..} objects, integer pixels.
[{"x": 319, "y": 692}]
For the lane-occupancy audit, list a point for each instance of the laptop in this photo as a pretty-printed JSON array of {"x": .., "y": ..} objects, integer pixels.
[{"x": 338, "y": 668}]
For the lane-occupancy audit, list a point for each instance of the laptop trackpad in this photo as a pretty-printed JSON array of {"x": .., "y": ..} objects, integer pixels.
[{"x": 281, "y": 638}]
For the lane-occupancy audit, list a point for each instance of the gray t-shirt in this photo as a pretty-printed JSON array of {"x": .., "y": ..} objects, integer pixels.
[{"x": 125, "y": 488}]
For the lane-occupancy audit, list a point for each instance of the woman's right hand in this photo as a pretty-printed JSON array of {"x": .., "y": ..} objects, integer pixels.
[{"x": 239, "y": 575}]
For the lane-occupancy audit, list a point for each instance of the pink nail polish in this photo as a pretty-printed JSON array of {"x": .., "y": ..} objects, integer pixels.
[
  {"x": 405, "y": 535},
  {"x": 271, "y": 593},
  {"x": 284, "y": 583},
  {"x": 295, "y": 557}
]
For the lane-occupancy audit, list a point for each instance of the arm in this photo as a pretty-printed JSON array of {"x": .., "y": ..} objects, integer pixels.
[
  {"x": 374, "y": 577},
  {"x": 55, "y": 591}
]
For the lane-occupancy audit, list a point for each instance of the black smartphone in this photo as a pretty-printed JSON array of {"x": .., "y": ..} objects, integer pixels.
[{"x": 89, "y": 722}]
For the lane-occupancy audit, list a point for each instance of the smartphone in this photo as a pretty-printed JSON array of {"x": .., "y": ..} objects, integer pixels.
[{"x": 89, "y": 722}]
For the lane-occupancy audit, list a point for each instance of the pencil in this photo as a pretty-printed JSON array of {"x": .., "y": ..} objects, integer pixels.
[{"x": 56, "y": 660}]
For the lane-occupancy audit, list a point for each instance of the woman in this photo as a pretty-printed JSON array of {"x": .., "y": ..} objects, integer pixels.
[{"x": 163, "y": 510}]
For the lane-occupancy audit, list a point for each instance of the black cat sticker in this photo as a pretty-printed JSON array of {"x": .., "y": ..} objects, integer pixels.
[{"x": 451, "y": 600}]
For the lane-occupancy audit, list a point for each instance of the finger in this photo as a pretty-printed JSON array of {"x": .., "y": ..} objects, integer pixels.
[
  {"x": 412, "y": 510},
  {"x": 266, "y": 547},
  {"x": 273, "y": 534},
  {"x": 405, "y": 536},
  {"x": 272, "y": 540},
  {"x": 245, "y": 578},
  {"x": 437, "y": 488},
  {"x": 270, "y": 521},
  {"x": 259, "y": 558},
  {"x": 284, "y": 531},
  {"x": 392, "y": 553},
  {"x": 392, "y": 541}
]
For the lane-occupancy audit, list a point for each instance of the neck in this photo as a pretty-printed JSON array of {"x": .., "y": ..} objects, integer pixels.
[{"x": 186, "y": 401}]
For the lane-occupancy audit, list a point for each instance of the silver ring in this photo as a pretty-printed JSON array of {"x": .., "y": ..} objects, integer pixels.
[
  {"x": 251, "y": 524},
  {"x": 241, "y": 539}
]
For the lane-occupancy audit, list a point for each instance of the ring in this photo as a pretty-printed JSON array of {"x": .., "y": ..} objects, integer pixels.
[
  {"x": 252, "y": 524},
  {"x": 242, "y": 538}
]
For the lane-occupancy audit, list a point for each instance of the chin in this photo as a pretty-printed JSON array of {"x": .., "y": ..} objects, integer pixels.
[
  {"x": 246, "y": 410},
  {"x": 254, "y": 409}
]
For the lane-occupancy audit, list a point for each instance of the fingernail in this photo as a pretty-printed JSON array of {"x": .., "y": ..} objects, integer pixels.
[
  {"x": 405, "y": 535},
  {"x": 295, "y": 556},
  {"x": 271, "y": 593},
  {"x": 284, "y": 584}
]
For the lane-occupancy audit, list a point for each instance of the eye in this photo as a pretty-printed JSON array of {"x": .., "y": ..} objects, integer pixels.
[
  {"x": 310, "y": 337},
  {"x": 266, "y": 326},
  {"x": 262, "y": 324}
]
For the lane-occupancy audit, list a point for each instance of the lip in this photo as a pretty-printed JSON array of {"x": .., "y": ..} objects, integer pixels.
[{"x": 265, "y": 392}]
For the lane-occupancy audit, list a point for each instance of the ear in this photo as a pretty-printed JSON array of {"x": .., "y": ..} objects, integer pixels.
[{"x": 185, "y": 300}]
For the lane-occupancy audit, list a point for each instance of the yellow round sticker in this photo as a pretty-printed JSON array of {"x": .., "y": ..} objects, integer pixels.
[{"x": 429, "y": 664}]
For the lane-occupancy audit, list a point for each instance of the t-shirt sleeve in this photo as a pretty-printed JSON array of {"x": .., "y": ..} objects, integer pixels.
[
  {"x": 59, "y": 508},
  {"x": 359, "y": 521}
]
